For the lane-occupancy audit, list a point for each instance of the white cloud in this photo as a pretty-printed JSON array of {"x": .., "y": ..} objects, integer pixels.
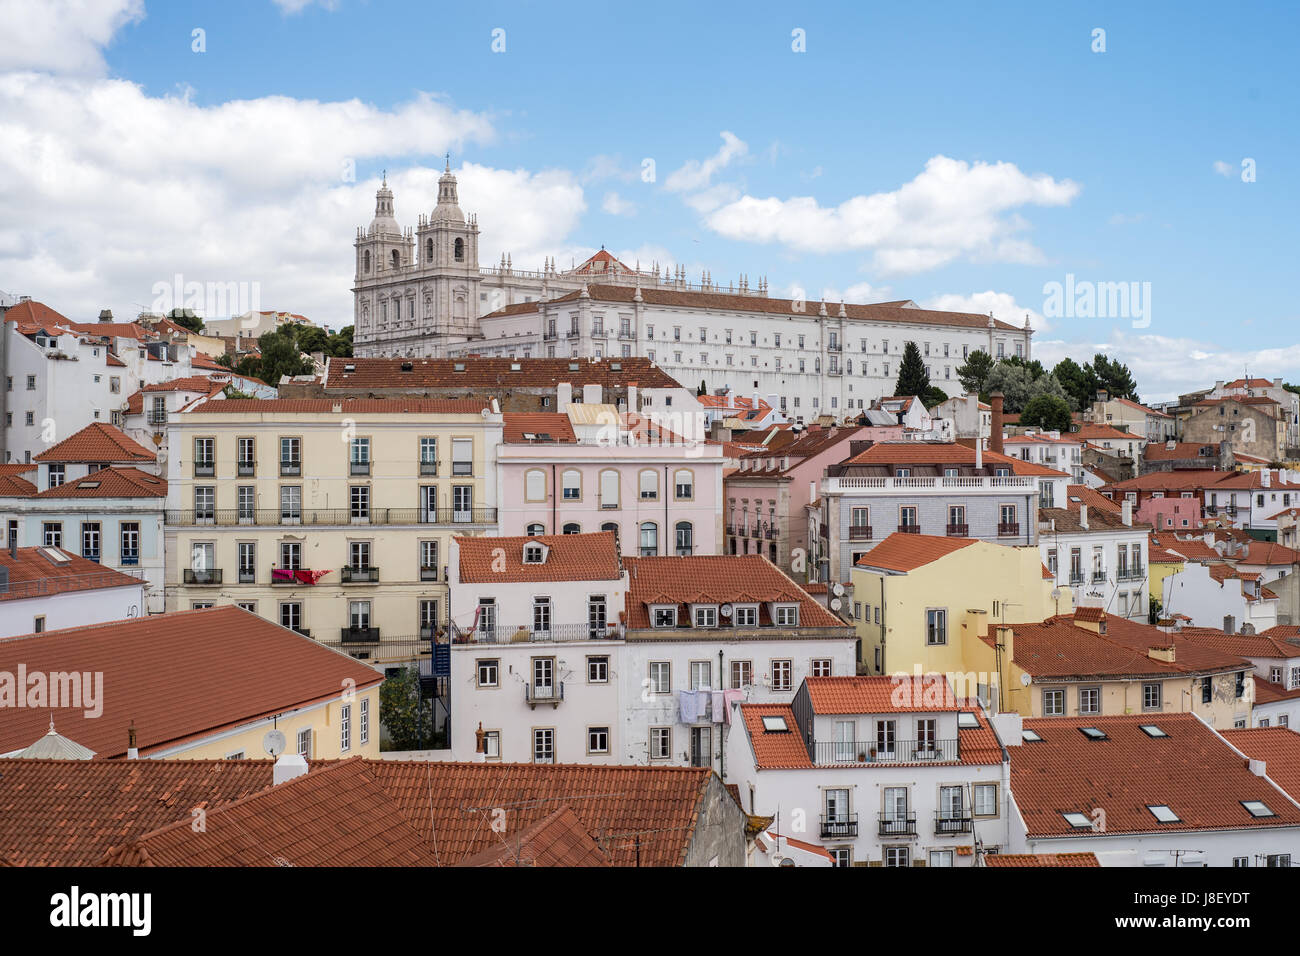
[
  {"x": 1224, "y": 169},
  {"x": 61, "y": 36},
  {"x": 951, "y": 210},
  {"x": 616, "y": 205},
  {"x": 297, "y": 6},
  {"x": 858, "y": 292},
  {"x": 697, "y": 174},
  {"x": 1003, "y": 305}
]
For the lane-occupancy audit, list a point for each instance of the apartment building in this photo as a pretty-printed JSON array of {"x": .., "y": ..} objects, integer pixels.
[
  {"x": 1098, "y": 554},
  {"x": 876, "y": 771},
  {"x": 1128, "y": 415},
  {"x": 44, "y": 588},
  {"x": 1220, "y": 595},
  {"x": 1287, "y": 400},
  {"x": 1253, "y": 425},
  {"x": 332, "y": 517},
  {"x": 1275, "y": 659},
  {"x": 1050, "y": 449}
]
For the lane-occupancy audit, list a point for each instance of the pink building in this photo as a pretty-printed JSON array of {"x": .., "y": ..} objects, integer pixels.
[
  {"x": 593, "y": 468},
  {"x": 1170, "y": 513}
]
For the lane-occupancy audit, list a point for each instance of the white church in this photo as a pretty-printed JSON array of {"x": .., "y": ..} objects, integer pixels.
[{"x": 422, "y": 293}]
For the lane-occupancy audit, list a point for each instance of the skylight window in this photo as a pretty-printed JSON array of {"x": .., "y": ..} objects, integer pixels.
[
  {"x": 573, "y": 366},
  {"x": 1151, "y": 730},
  {"x": 1257, "y": 808},
  {"x": 1163, "y": 813},
  {"x": 775, "y": 725},
  {"x": 89, "y": 484},
  {"x": 1079, "y": 821},
  {"x": 458, "y": 367},
  {"x": 515, "y": 366},
  {"x": 1031, "y": 737},
  {"x": 966, "y": 720},
  {"x": 1092, "y": 733}
]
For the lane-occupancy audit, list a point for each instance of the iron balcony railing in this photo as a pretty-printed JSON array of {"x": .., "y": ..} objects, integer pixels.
[
  {"x": 208, "y": 577},
  {"x": 526, "y": 634},
  {"x": 290, "y": 467},
  {"x": 546, "y": 694},
  {"x": 359, "y": 468},
  {"x": 896, "y": 824},
  {"x": 366, "y": 575},
  {"x": 1135, "y": 573},
  {"x": 550, "y": 336},
  {"x": 1099, "y": 576},
  {"x": 909, "y": 529},
  {"x": 428, "y": 574},
  {"x": 859, "y": 532},
  {"x": 227, "y": 517},
  {"x": 952, "y": 821},
  {"x": 829, "y": 752},
  {"x": 429, "y": 469},
  {"x": 359, "y": 635},
  {"x": 1008, "y": 528},
  {"x": 1076, "y": 578},
  {"x": 839, "y": 825},
  {"x": 246, "y": 468},
  {"x": 958, "y": 530},
  {"x": 247, "y": 575},
  {"x": 90, "y": 579},
  {"x": 205, "y": 469},
  {"x": 834, "y": 347},
  {"x": 157, "y": 418}
]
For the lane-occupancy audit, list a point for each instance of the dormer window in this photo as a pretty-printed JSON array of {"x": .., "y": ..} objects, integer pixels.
[
  {"x": 664, "y": 616},
  {"x": 786, "y": 615},
  {"x": 534, "y": 553},
  {"x": 706, "y": 615},
  {"x": 745, "y": 615}
]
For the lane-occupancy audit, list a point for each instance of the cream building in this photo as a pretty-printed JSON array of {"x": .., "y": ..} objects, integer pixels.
[{"x": 332, "y": 517}]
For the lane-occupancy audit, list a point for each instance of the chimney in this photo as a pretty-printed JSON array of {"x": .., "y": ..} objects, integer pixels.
[
  {"x": 132, "y": 752},
  {"x": 592, "y": 393},
  {"x": 1083, "y": 516},
  {"x": 1229, "y": 624},
  {"x": 1265, "y": 477},
  {"x": 995, "y": 438},
  {"x": 857, "y": 447},
  {"x": 106, "y": 315},
  {"x": 632, "y": 405},
  {"x": 1258, "y": 767},
  {"x": 978, "y": 617},
  {"x": 1126, "y": 512},
  {"x": 1165, "y": 654},
  {"x": 979, "y": 453},
  {"x": 287, "y": 767},
  {"x": 480, "y": 748},
  {"x": 564, "y": 397}
]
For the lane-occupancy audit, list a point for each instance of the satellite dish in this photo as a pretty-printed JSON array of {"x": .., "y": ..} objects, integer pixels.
[
  {"x": 725, "y": 610},
  {"x": 838, "y": 590},
  {"x": 273, "y": 743},
  {"x": 1056, "y": 594},
  {"x": 1025, "y": 679},
  {"x": 836, "y": 604}
]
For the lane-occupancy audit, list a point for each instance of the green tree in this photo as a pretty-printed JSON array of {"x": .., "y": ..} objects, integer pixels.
[
  {"x": 703, "y": 389},
  {"x": 1114, "y": 377},
  {"x": 1013, "y": 382},
  {"x": 231, "y": 392},
  {"x": 1078, "y": 381},
  {"x": 912, "y": 377},
  {"x": 340, "y": 343},
  {"x": 934, "y": 396},
  {"x": 1047, "y": 412},
  {"x": 186, "y": 319},
  {"x": 280, "y": 356},
  {"x": 409, "y": 725},
  {"x": 311, "y": 339},
  {"x": 974, "y": 371}
]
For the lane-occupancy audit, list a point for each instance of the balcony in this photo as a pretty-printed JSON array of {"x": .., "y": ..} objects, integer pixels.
[
  {"x": 290, "y": 468},
  {"x": 359, "y": 468},
  {"x": 1099, "y": 576},
  {"x": 329, "y": 516},
  {"x": 429, "y": 632},
  {"x": 205, "y": 469},
  {"x": 246, "y": 469},
  {"x": 549, "y": 694},
  {"x": 130, "y": 557},
  {"x": 359, "y": 575},
  {"x": 1076, "y": 578},
  {"x": 429, "y": 469},
  {"x": 859, "y": 532},
  {"x": 203, "y": 578},
  {"x": 841, "y": 752},
  {"x": 838, "y": 826},
  {"x": 598, "y": 332},
  {"x": 359, "y": 635},
  {"x": 626, "y": 335},
  {"x": 526, "y": 634},
  {"x": 958, "y": 531},
  {"x": 951, "y": 822},
  {"x": 834, "y": 370},
  {"x": 834, "y": 347},
  {"x": 929, "y": 485},
  {"x": 550, "y": 336},
  {"x": 574, "y": 333},
  {"x": 247, "y": 576},
  {"x": 1008, "y": 529},
  {"x": 731, "y": 527},
  {"x": 909, "y": 529},
  {"x": 896, "y": 824},
  {"x": 428, "y": 574},
  {"x": 295, "y": 576},
  {"x": 157, "y": 418}
]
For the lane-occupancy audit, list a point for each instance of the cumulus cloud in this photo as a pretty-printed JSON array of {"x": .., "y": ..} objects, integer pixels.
[
  {"x": 951, "y": 210},
  {"x": 1003, "y": 305},
  {"x": 616, "y": 205},
  {"x": 1224, "y": 169},
  {"x": 297, "y": 6},
  {"x": 697, "y": 174},
  {"x": 61, "y": 36}
]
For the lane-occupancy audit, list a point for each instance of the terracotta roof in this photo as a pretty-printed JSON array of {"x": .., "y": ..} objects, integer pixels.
[
  {"x": 648, "y": 813},
  {"x": 716, "y": 579},
  {"x": 881, "y": 312},
  {"x": 494, "y": 373},
  {"x": 557, "y": 840},
  {"x": 808, "y": 445},
  {"x": 31, "y": 316},
  {"x": 907, "y": 552},
  {"x": 1160, "y": 451},
  {"x": 158, "y": 674},
  {"x": 554, "y": 424},
  {"x": 1068, "y": 520},
  {"x": 1268, "y": 553},
  {"x": 881, "y": 695},
  {"x": 775, "y": 749},
  {"x": 33, "y": 574},
  {"x": 1242, "y": 645},
  {"x": 944, "y": 453},
  {"x": 1141, "y": 408},
  {"x": 122, "y": 330},
  {"x": 190, "y": 383},
  {"x": 1191, "y": 549},
  {"x": 11, "y": 486},
  {"x": 337, "y": 815},
  {"x": 17, "y": 468},
  {"x": 1191, "y": 771},
  {"x": 110, "y": 483},
  {"x": 1092, "y": 498},
  {"x": 1239, "y": 399},
  {"x": 1157, "y": 553},
  {"x": 1041, "y": 859},
  {"x": 569, "y": 557},
  {"x": 1093, "y": 431},
  {"x": 1249, "y": 383},
  {"x": 74, "y": 812},
  {"x": 341, "y": 406},
  {"x": 97, "y": 442},
  {"x": 1181, "y": 479},
  {"x": 112, "y": 360},
  {"x": 1267, "y": 692}
]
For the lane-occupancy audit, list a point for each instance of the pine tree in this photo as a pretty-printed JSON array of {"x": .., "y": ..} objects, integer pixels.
[{"x": 912, "y": 377}]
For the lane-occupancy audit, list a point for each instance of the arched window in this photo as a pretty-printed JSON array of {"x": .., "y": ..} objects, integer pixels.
[
  {"x": 571, "y": 483},
  {"x": 396, "y": 258},
  {"x": 460, "y": 250},
  {"x": 684, "y": 484},
  {"x": 535, "y": 529},
  {"x": 610, "y": 526},
  {"x": 365, "y": 259},
  {"x": 428, "y": 250},
  {"x": 609, "y": 489},
  {"x": 573, "y": 528},
  {"x": 649, "y": 538},
  {"x": 685, "y": 538},
  {"x": 535, "y": 485},
  {"x": 649, "y": 481}
]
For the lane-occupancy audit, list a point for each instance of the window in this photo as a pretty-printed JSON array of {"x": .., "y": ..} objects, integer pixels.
[
  {"x": 290, "y": 555},
  {"x": 820, "y": 667},
  {"x": 1089, "y": 700},
  {"x": 685, "y": 536},
  {"x": 345, "y": 728},
  {"x": 543, "y": 745},
  {"x": 786, "y": 615},
  {"x": 1053, "y": 703},
  {"x": 52, "y": 534},
  {"x": 90, "y": 540},
  {"x": 360, "y": 499},
  {"x": 986, "y": 799},
  {"x": 571, "y": 485},
  {"x": 782, "y": 675},
  {"x": 684, "y": 484},
  {"x": 541, "y": 616},
  {"x": 941, "y": 857},
  {"x": 1257, "y": 808},
  {"x": 462, "y": 456},
  {"x": 291, "y": 615},
  {"x": 130, "y": 542},
  {"x": 488, "y": 672},
  {"x": 1151, "y": 696},
  {"x": 598, "y": 670},
  {"x": 609, "y": 489},
  {"x": 661, "y": 743},
  {"x": 246, "y": 455},
  {"x": 56, "y": 473},
  {"x": 897, "y": 856},
  {"x": 571, "y": 527},
  {"x": 742, "y": 674},
  {"x": 365, "y": 720},
  {"x": 205, "y": 502},
  {"x": 936, "y": 626},
  {"x": 597, "y": 740},
  {"x": 1278, "y": 859},
  {"x": 745, "y": 615},
  {"x": 535, "y": 485},
  {"x": 290, "y": 456},
  {"x": 290, "y": 502},
  {"x": 649, "y": 538},
  {"x": 661, "y": 677},
  {"x": 536, "y": 528},
  {"x": 359, "y": 456},
  {"x": 304, "y": 742},
  {"x": 1163, "y": 814},
  {"x": 649, "y": 484},
  {"x": 706, "y": 616}
]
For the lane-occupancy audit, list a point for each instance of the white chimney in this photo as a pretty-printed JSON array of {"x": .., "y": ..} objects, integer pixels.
[
  {"x": 812, "y": 491},
  {"x": 288, "y": 766},
  {"x": 1009, "y": 727},
  {"x": 1083, "y": 516},
  {"x": 563, "y": 396},
  {"x": 592, "y": 393},
  {"x": 1265, "y": 478},
  {"x": 1258, "y": 767},
  {"x": 631, "y": 398},
  {"x": 1126, "y": 511},
  {"x": 979, "y": 453}
]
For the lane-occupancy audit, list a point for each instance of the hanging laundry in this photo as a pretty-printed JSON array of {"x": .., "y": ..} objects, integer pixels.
[
  {"x": 692, "y": 704},
  {"x": 719, "y": 707},
  {"x": 730, "y": 697}
]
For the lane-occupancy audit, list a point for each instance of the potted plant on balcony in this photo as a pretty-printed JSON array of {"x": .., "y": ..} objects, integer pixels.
[{"x": 862, "y": 756}]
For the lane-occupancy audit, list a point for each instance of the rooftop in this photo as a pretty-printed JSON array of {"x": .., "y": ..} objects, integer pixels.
[
  {"x": 907, "y": 552},
  {"x": 341, "y": 406},
  {"x": 96, "y": 443},
  {"x": 566, "y": 557},
  {"x": 41, "y": 572},
  {"x": 492, "y": 373}
]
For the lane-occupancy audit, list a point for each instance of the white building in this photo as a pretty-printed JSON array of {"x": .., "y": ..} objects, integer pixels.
[
  {"x": 1050, "y": 449},
  {"x": 1275, "y": 657},
  {"x": 1146, "y": 790},
  {"x": 1100, "y": 555},
  {"x": 878, "y": 771},
  {"x": 45, "y": 589},
  {"x": 1218, "y": 595}
]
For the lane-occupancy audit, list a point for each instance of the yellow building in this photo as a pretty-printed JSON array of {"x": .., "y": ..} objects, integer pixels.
[
  {"x": 1090, "y": 663},
  {"x": 329, "y": 516},
  {"x": 206, "y": 684},
  {"x": 923, "y": 597},
  {"x": 1162, "y": 562}
]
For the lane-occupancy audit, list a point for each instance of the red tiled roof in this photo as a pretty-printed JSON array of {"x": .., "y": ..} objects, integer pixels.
[
  {"x": 342, "y": 406},
  {"x": 907, "y": 552},
  {"x": 943, "y": 453},
  {"x": 32, "y": 316},
  {"x": 881, "y": 695},
  {"x": 11, "y": 486},
  {"x": 74, "y": 812},
  {"x": 1249, "y": 383},
  {"x": 97, "y": 442},
  {"x": 1266, "y": 692},
  {"x": 122, "y": 330},
  {"x": 189, "y": 383},
  {"x": 775, "y": 750},
  {"x": 1092, "y": 498},
  {"x": 1242, "y": 645},
  {"x": 112, "y": 360},
  {"x": 337, "y": 815},
  {"x": 1041, "y": 859},
  {"x": 554, "y": 424},
  {"x": 32, "y": 574},
  {"x": 569, "y": 557},
  {"x": 1268, "y": 553},
  {"x": 557, "y": 840},
  {"x": 1141, "y": 408},
  {"x": 716, "y": 579},
  {"x": 1160, "y": 451},
  {"x": 158, "y": 675},
  {"x": 1092, "y": 431},
  {"x": 1069, "y": 520},
  {"x": 110, "y": 483},
  {"x": 1239, "y": 399},
  {"x": 1191, "y": 549},
  {"x": 494, "y": 373},
  {"x": 1191, "y": 771},
  {"x": 16, "y": 468}
]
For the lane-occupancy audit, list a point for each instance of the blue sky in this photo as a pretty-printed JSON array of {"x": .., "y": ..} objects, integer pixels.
[{"x": 957, "y": 155}]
